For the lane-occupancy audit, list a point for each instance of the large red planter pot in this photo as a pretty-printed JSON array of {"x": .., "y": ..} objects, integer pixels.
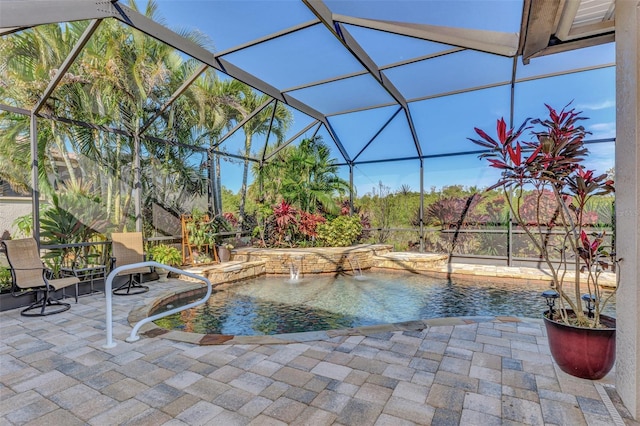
[{"x": 588, "y": 353}]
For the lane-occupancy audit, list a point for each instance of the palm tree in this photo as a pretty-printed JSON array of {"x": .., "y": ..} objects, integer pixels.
[
  {"x": 219, "y": 105},
  {"x": 119, "y": 80},
  {"x": 249, "y": 102},
  {"x": 304, "y": 176},
  {"x": 404, "y": 189},
  {"x": 130, "y": 76},
  {"x": 30, "y": 57}
]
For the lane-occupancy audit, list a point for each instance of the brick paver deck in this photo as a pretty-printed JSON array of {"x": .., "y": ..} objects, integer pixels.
[{"x": 472, "y": 371}]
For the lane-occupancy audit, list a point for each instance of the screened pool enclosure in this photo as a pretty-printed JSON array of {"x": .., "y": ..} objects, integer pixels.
[
  {"x": 122, "y": 116},
  {"x": 136, "y": 114}
]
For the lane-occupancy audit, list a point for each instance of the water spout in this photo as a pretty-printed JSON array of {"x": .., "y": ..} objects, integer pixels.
[
  {"x": 355, "y": 268},
  {"x": 295, "y": 274},
  {"x": 295, "y": 268}
]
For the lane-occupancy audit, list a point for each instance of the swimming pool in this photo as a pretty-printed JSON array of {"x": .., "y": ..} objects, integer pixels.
[{"x": 274, "y": 304}]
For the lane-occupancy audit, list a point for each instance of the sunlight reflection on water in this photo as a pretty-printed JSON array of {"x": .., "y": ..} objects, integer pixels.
[{"x": 275, "y": 304}]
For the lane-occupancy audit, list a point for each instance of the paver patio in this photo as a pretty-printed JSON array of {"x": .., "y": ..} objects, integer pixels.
[{"x": 476, "y": 371}]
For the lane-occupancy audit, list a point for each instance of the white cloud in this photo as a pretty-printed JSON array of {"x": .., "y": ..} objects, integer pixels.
[
  {"x": 607, "y": 103},
  {"x": 602, "y": 130}
]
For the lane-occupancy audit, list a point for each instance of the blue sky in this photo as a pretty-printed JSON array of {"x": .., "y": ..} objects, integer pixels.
[{"x": 443, "y": 124}]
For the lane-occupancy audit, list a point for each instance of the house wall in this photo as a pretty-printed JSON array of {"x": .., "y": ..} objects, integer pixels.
[
  {"x": 628, "y": 202},
  {"x": 10, "y": 209}
]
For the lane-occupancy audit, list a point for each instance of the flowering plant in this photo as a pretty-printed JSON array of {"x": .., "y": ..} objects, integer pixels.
[{"x": 550, "y": 170}]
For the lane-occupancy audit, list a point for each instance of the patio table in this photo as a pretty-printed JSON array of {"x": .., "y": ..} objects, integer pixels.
[{"x": 86, "y": 274}]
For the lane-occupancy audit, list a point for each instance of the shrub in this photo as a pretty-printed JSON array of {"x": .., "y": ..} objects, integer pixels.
[
  {"x": 308, "y": 223},
  {"x": 5, "y": 279},
  {"x": 166, "y": 254},
  {"x": 342, "y": 231}
]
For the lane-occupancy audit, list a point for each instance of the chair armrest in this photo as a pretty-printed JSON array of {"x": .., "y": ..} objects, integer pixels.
[{"x": 47, "y": 273}]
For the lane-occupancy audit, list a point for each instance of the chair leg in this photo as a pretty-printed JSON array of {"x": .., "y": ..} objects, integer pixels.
[
  {"x": 131, "y": 287},
  {"x": 42, "y": 303}
]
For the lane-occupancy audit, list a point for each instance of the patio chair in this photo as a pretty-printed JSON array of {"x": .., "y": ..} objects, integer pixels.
[
  {"x": 29, "y": 275},
  {"x": 128, "y": 248}
]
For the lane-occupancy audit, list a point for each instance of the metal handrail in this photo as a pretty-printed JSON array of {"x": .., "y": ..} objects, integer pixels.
[{"x": 133, "y": 337}]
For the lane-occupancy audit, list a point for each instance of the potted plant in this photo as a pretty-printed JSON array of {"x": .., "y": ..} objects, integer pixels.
[
  {"x": 549, "y": 171},
  {"x": 165, "y": 254},
  {"x": 224, "y": 252},
  {"x": 203, "y": 234}
]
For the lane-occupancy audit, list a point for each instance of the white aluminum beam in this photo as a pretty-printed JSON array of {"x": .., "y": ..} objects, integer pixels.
[
  {"x": 293, "y": 138},
  {"x": 243, "y": 122},
  {"x": 21, "y": 13},
  {"x": 499, "y": 43},
  {"x": 10, "y": 30},
  {"x": 342, "y": 34}
]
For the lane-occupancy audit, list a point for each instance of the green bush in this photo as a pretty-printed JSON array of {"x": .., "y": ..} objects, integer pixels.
[
  {"x": 342, "y": 231},
  {"x": 165, "y": 254},
  {"x": 5, "y": 279}
]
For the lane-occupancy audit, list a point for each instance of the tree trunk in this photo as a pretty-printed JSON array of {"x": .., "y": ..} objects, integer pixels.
[{"x": 245, "y": 177}]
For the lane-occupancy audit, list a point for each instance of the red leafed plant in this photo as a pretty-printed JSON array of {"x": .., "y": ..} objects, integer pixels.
[
  {"x": 308, "y": 223},
  {"x": 547, "y": 189},
  {"x": 286, "y": 217},
  {"x": 231, "y": 218}
]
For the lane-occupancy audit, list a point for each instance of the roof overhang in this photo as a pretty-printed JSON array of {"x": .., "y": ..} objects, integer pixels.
[{"x": 552, "y": 26}]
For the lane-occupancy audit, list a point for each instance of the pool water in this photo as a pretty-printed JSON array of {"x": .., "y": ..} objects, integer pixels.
[{"x": 274, "y": 304}]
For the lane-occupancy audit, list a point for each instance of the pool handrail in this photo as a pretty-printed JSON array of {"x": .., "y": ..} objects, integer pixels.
[{"x": 133, "y": 337}]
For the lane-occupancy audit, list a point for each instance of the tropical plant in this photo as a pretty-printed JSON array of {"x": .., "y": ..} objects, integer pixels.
[
  {"x": 454, "y": 214},
  {"x": 5, "y": 279},
  {"x": 266, "y": 121},
  {"x": 305, "y": 176},
  {"x": 74, "y": 216},
  {"x": 285, "y": 216},
  {"x": 310, "y": 177},
  {"x": 29, "y": 58},
  {"x": 166, "y": 254},
  {"x": 552, "y": 164},
  {"x": 24, "y": 224},
  {"x": 363, "y": 216},
  {"x": 382, "y": 211},
  {"x": 120, "y": 79},
  {"x": 197, "y": 229},
  {"x": 204, "y": 232},
  {"x": 308, "y": 223},
  {"x": 343, "y": 231}
]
